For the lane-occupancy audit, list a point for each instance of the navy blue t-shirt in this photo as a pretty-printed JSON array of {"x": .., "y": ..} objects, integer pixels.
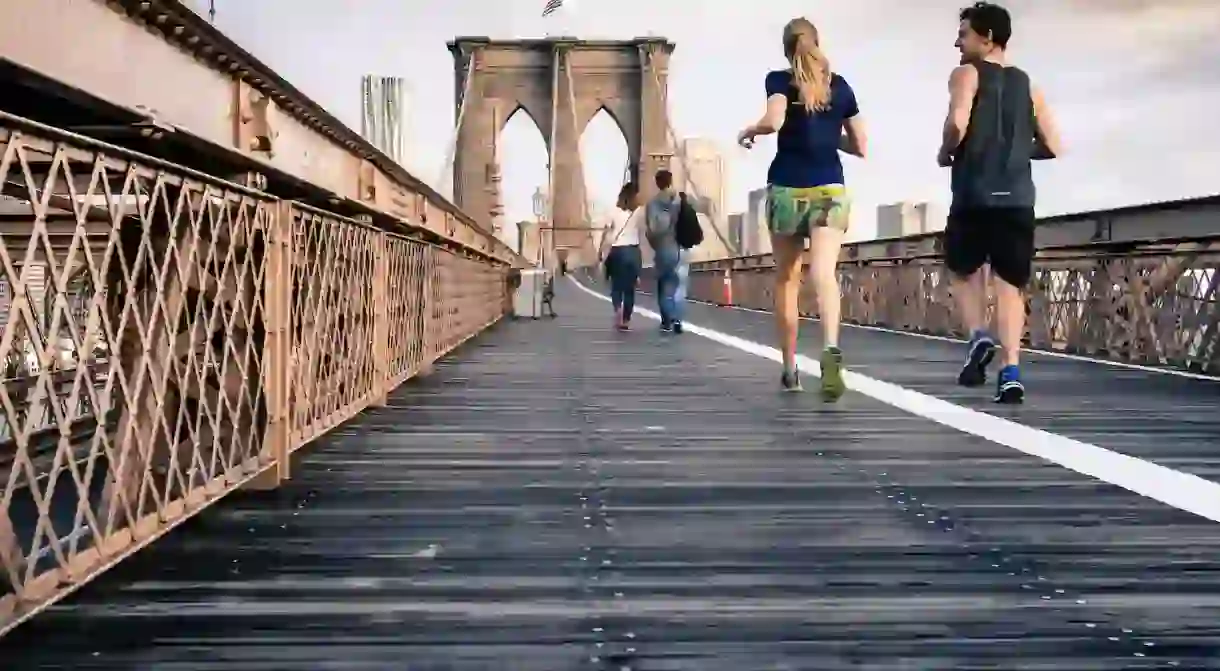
[{"x": 807, "y": 149}]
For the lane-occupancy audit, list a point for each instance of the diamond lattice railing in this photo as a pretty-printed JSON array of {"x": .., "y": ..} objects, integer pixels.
[
  {"x": 1155, "y": 303},
  {"x": 168, "y": 336}
]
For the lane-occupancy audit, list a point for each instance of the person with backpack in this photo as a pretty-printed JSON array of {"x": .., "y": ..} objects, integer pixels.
[
  {"x": 671, "y": 227},
  {"x": 814, "y": 113}
]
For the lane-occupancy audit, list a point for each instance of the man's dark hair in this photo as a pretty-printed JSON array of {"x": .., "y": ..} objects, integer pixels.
[
  {"x": 665, "y": 179},
  {"x": 989, "y": 20}
]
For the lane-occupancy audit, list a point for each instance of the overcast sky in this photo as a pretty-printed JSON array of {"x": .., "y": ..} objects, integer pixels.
[{"x": 1133, "y": 82}]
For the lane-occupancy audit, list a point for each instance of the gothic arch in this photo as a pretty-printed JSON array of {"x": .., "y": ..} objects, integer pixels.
[
  {"x": 516, "y": 107},
  {"x": 617, "y": 110},
  {"x": 566, "y": 79}
]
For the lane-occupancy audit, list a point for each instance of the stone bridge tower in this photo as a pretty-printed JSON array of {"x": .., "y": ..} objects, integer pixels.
[{"x": 562, "y": 83}]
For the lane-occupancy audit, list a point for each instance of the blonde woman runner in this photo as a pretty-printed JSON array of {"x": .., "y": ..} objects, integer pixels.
[{"x": 814, "y": 112}]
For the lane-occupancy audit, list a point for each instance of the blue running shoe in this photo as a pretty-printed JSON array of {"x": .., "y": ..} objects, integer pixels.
[
  {"x": 979, "y": 354},
  {"x": 1008, "y": 387}
]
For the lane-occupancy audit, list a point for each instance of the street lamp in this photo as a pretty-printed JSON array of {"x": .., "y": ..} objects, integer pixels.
[
  {"x": 539, "y": 203},
  {"x": 540, "y": 207}
]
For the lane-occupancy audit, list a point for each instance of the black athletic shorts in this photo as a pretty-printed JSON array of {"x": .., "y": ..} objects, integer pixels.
[{"x": 1000, "y": 236}]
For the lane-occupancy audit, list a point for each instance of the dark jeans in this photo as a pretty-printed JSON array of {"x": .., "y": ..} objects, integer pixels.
[
  {"x": 669, "y": 280},
  {"x": 623, "y": 265}
]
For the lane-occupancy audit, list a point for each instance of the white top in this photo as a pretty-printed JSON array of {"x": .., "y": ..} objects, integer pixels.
[{"x": 625, "y": 227}]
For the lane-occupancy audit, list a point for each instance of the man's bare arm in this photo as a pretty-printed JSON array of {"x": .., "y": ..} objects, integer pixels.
[
  {"x": 1046, "y": 133},
  {"x": 963, "y": 85}
]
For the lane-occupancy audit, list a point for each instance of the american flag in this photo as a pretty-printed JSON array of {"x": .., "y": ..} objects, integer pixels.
[{"x": 552, "y": 6}]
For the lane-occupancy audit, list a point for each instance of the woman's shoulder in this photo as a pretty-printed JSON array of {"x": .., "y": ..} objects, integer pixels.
[{"x": 777, "y": 78}]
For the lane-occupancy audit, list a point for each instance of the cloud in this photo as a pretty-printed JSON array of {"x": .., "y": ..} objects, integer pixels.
[{"x": 1134, "y": 82}]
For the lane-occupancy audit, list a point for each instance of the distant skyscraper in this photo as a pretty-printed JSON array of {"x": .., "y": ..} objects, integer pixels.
[
  {"x": 736, "y": 228},
  {"x": 932, "y": 217},
  {"x": 385, "y": 115},
  {"x": 706, "y": 180},
  {"x": 707, "y": 171},
  {"x": 755, "y": 237},
  {"x": 898, "y": 220}
]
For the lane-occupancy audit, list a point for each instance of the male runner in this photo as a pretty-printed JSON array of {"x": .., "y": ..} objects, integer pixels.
[{"x": 997, "y": 123}]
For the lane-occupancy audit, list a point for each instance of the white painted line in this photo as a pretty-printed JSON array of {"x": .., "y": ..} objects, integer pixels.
[
  {"x": 1028, "y": 350},
  {"x": 1180, "y": 490}
]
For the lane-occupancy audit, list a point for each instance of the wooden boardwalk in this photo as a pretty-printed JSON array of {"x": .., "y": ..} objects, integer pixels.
[{"x": 559, "y": 496}]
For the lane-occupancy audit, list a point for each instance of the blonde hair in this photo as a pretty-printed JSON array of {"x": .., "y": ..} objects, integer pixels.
[{"x": 810, "y": 67}]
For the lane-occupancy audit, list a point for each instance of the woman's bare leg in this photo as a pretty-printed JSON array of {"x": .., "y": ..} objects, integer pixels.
[
  {"x": 824, "y": 245},
  {"x": 787, "y": 250}
]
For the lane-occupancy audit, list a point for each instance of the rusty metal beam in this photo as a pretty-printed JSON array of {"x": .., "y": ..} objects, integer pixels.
[{"x": 164, "y": 63}]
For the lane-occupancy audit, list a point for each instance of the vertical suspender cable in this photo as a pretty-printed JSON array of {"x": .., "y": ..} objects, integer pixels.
[
  {"x": 586, "y": 215},
  {"x": 550, "y": 160},
  {"x": 673, "y": 137},
  {"x": 451, "y": 150}
]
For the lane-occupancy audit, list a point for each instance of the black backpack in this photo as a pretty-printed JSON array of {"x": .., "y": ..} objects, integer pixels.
[{"x": 687, "y": 230}]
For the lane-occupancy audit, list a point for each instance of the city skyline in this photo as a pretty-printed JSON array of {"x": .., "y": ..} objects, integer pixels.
[{"x": 1113, "y": 110}]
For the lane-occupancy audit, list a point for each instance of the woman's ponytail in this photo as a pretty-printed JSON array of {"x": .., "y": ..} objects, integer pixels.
[{"x": 810, "y": 67}]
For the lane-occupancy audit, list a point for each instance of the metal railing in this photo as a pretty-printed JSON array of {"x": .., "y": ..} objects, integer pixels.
[
  {"x": 187, "y": 335},
  {"x": 1111, "y": 285}
]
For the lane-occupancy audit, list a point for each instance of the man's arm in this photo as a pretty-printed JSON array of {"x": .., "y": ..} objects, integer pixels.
[
  {"x": 1046, "y": 134},
  {"x": 963, "y": 84},
  {"x": 647, "y": 223}
]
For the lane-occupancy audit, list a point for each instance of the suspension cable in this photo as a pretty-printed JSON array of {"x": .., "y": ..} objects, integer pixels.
[
  {"x": 550, "y": 158},
  {"x": 687, "y": 174},
  {"x": 444, "y": 177},
  {"x": 446, "y": 172},
  {"x": 586, "y": 215}
]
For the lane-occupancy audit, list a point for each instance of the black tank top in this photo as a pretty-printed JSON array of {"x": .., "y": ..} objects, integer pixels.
[{"x": 991, "y": 167}]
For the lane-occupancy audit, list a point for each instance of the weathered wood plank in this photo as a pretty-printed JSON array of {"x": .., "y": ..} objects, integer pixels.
[{"x": 557, "y": 493}]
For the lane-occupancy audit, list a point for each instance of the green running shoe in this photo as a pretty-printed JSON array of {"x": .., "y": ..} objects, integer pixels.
[{"x": 832, "y": 374}]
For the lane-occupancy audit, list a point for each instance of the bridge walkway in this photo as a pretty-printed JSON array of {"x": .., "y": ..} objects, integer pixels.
[{"x": 560, "y": 496}]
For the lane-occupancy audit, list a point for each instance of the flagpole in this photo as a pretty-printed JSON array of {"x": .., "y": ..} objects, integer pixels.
[{"x": 554, "y": 9}]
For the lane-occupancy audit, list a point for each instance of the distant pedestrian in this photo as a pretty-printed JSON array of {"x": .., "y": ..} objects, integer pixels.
[
  {"x": 661, "y": 226},
  {"x": 621, "y": 253}
]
